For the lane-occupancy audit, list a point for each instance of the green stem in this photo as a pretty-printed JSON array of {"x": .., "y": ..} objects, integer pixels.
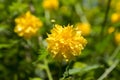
[
  {"x": 48, "y": 70},
  {"x": 15, "y": 77},
  {"x": 105, "y": 18},
  {"x": 107, "y": 71},
  {"x": 79, "y": 11},
  {"x": 59, "y": 64},
  {"x": 47, "y": 16},
  {"x": 115, "y": 53},
  {"x": 66, "y": 73},
  {"x": 115, "y": 63}
]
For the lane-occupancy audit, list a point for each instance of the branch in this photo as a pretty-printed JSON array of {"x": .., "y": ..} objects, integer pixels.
[
  {"x": 107, "y": 71},
  {"x": 106, "y": 16}
]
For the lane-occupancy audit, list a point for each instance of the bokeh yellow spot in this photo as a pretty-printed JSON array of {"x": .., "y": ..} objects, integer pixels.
[
  {"x": 84, "y": 28},
  {"x": 50, "y": 4},
  {"x": 117, "y": 38},
  {"x": 111, "y": 30},
  {"x": 115, "y": 17}
]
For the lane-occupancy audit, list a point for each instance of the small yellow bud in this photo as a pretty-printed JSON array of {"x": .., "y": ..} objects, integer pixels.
[
  {"x": 111, "y": 30},
  {"x": 52, "y": 20},
  {"x": 84, "y": 28},
  {"x": 117, "y": 38},
  {"x": 50, "y": 4},
  {"x": 115, "y": 17}
]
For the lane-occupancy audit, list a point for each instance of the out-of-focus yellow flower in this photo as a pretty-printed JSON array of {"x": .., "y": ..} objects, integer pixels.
[
  {"x": 65, "y": 42},
  {"x": 117, "y": 6},
  {"x": 27, "y": 25},
  {"x": 117, "y": 38},
  {"x": 84, "y": 28},
  {"x": 65, "y": 10},
  {"x": 115, "y": 17},
  {"x": 114, "y": 3},
  {"x": 50, "y": 4},
  {"x": 111, "y": 30}
]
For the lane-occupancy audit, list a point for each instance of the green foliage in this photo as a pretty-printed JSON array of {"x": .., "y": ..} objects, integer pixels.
[
  {"x": 82, "y": 70},
  {"x": 35, "y": 78},
  {"x": 22, "y": 59},
  {"x": 17, "y": 7},
  {"x": 42, "y": 54}
]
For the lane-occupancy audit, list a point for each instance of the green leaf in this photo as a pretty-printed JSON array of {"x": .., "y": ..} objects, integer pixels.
[
  {"x": 8, "y": 45},
  {"x": 43, "y": 53},
  {"x": 79, "y": 65},
  {"x": 35, "y": 78},
  {"x": 5, "y": 46},
  {"x": 2, "y": 6},
  {"x": 17, "y": 7},
  {"x": 82, "y": 70},
  {"x": 3, "y": 28}
]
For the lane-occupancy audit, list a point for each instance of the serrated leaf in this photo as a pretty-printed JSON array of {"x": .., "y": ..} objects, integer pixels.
[{"x": 43, "y": 53}]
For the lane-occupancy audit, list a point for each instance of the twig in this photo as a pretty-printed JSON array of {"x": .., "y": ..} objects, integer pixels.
[
  {"x": 115, "y": 53},
  {"x": 112, "y": 66},
  {"x": 106, "y": 16},
  {"x": 79, "y": 11},
  {"x": 107, "y": 71}
]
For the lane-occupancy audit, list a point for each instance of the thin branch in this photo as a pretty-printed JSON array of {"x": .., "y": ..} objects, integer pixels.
[
  {"x": 115, "y": 63},
  {"x": 106, "y": 16},
  {"x": 107, "y": 71},
  {"x": 115, "y": 53},
  {"x": 80, "y": 12}
]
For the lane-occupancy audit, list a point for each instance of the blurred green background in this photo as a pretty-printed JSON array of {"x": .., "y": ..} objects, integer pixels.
[{"x": 22, "y": 59}]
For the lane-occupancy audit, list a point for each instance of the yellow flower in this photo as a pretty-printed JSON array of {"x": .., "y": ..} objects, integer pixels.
[
  {"x": 114, "y": 3},
  {"x": 111, "y": 30},
  {"x": 117, "y": 38},
  {"x": 27, "y": 25},
  {"x": 50, "y": 4},
  {"x": 84, "y": 28},
  {"x": 115, "y": 17},
  {"x": 117, "y": 6},
  {"x": 65, "y": 42}
]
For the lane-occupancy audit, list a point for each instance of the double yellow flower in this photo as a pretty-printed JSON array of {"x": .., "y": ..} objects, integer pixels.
[
  {"x": 64, "y": 43},
  {"x": 27, "y": 25}
]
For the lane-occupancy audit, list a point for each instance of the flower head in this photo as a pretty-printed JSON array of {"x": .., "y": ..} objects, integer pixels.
[
  {"x": 27, "y": 25},
  {"x": 65, "y": 42},
  {"x": 84, "y": 28},
  {"x": 115, "y": 17},
  {"x": 111, "y": 30},
  {"x": 50, "y": 4},
  {"x": 117, "y": 38}
]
